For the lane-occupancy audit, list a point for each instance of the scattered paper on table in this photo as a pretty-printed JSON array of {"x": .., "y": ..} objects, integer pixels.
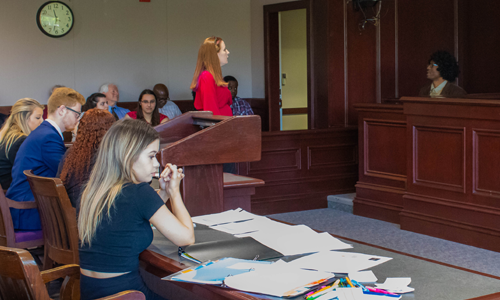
[
  {"x": 300, "y": 239},
  {"x": 232, "y": 215},
  {"x": 339, "y": 262},
  {"x": 363, "y": 276},
  {"x": 278, "y": 279},
  {"x": 399, "y": 285}
]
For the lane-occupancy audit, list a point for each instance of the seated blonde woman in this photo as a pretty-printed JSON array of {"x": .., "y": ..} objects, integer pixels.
[
  {"x": 118, "y": 205},
  {"x": 26, "y": 115}
]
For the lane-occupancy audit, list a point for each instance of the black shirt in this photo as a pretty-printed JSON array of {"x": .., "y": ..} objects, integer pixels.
[
  {"x": 119, "y": 240},
  {"x": 7, "y": 163}
]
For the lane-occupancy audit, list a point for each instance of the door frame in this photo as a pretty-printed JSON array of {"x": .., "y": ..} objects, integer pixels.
[{"x": 272, "y": 60}]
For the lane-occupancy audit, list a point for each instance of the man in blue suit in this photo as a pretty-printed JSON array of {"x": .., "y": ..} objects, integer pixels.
[{"x": 42, "y": 151}]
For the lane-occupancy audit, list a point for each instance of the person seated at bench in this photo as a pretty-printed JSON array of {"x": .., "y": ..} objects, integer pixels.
[
  {"x": 240, "y": 107},
  {"x": 42, "y": 151},
  {"x": 26, "y": 116},
  {"x": 147, "y": 109},
  {"x": 96, "y": 100},
  {"x": 110, "y": 90},
  {"x": 76, "y": 165},
  {"x": 118, "y": 205},
  {"x": 442, "y": 69},
  {"x": 165, "y": 106}
]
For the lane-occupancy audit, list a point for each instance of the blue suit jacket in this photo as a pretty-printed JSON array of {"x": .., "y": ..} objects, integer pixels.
[{"x": 41, "y": 152}]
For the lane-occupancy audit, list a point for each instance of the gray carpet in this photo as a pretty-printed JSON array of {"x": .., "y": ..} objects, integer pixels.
[{"x": 389, "y": 235}]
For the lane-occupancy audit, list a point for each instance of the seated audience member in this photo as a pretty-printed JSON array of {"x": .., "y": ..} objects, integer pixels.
[
  {"x": 96, "y": 100},
  {"x": 165, "y": 106},
  {"x": 26, "y": 115},
  {"x": 79, "y": 160},
  {"x": 442, "y": 70},
  {"x": 42, "y": 151},
  {"x": 147, "y": 110},
  {"x": 118, "y": 205},
  {"x": 55, "y": 87},
  {"x": 240, "y": 107},
  {"x": 110, "y": 90}
]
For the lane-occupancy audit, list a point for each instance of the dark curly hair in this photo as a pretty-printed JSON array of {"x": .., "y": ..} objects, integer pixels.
[
  {"x": 78, "y": 164},
  {"x": 155, "y": 118},
  {"x": 447, "y": 65}
]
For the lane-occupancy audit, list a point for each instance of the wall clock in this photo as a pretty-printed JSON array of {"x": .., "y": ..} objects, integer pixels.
[{"x": 55, "y": 19}]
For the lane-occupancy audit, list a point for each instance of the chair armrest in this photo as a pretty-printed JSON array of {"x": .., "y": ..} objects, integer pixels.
[
  {"x": 126, "y": 295},
  {"x": 21, "y": 204},
  {"x": 61, "y": 272}
]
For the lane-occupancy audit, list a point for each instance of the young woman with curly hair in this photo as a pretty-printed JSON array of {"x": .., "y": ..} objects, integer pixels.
[
  {"x": 26, "y": 114},
  {"x": 442, "y": 70},
  {"x": 77, "y": 165}
]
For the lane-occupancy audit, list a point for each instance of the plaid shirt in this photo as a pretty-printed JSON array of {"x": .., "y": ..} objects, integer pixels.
[{"x": 240, "y": 107}]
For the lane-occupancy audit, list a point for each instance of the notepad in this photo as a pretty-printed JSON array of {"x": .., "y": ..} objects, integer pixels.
[{"x": 214, "y": 272}]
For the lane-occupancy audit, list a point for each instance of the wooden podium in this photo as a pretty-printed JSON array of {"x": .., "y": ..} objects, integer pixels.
[{"x": 201, "y": 142}]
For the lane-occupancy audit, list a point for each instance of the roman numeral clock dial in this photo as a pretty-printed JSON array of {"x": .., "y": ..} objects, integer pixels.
[{"x": 55, "y": 19}]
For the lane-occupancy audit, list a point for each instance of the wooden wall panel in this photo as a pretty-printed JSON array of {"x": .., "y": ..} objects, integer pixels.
[
  {"x": 382, "y": 161},
  {"x": 482, "y": 41},
  {"x": 486, "y": 162},
  {"x": 424, "y": 26},
  {"x": 439, "y": 157},
  {"x": 301, "y": 168}
]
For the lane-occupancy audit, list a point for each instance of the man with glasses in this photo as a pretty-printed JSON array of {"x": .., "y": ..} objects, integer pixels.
[
  {"x": 42, "y": 151},
  {"x": 165, "y": 106},
  {"x": 442, "y": 70}
]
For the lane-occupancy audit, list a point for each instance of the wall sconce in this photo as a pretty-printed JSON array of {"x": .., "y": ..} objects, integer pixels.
[{"x": 362, "y": 6}]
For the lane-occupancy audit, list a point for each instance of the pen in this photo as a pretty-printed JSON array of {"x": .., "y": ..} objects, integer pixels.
[
  {"x": 385, "y": 295},
  {"x": 349, "y": 281},
  {"x": 380, "y": 291},
  {"x": 323, "y": 290}
]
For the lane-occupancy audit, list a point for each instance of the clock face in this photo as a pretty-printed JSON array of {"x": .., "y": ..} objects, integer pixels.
[{"x": 55, "y": 19}]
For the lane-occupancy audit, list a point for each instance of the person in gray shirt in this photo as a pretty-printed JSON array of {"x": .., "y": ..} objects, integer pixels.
[{"x": 165, "y": 106}]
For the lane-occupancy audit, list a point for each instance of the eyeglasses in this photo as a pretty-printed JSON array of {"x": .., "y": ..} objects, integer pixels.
[
  {"x": 164, "y": 99},
  {"x": 79, "y": 113},
  {"x": 148, "y": 102}
]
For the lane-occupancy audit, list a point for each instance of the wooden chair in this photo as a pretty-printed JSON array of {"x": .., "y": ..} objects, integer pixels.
[
  {"x": 21, "y": 279},
  {"x": 58, "y": 219},
  {"x": 10, "y": 237}
]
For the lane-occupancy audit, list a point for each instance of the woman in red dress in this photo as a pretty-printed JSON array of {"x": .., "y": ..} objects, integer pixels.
[
  {"x": 211, "y": 90},
  {"x": 147, "y": 110}
]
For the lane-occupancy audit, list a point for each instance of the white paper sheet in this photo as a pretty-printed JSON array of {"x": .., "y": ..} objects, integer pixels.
[
  {"x": 276, "y": 280},
  {"x": 396, "y": 285},
  {"x": 242, "y": 228},
  {"x": 300, "y": 239},
  {"x": 233, "y": 215},
  {"x": 363, "y": 276},
  {"x": 340, "y": 262}
]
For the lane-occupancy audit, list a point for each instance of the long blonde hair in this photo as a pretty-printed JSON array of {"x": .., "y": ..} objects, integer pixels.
[
  {"x": 119, "y": 149},
  {"x": 16, "y": 125},
  {"x": 208, "y": 60}
]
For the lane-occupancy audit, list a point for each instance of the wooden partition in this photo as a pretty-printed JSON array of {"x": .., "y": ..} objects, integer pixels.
[
  {"x": 451, "y": 162},
  {"x": 201, "y": 143}
]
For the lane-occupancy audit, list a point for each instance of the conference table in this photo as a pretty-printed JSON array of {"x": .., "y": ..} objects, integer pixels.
[{"x": 431, "y": 279}]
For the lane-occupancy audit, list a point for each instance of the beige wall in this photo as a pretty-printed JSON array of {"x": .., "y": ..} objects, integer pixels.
[
  {"x": 124, "y": 41},
  {"x": 293, "y": 45},
  {"x": 257, "y": 20}
]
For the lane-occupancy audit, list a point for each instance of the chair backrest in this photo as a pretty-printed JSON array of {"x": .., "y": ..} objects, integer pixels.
[
  {"x": 7, "y": 236},
  {"x": 19, "y": 276},
  {"x": 58, "y": 219}
]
